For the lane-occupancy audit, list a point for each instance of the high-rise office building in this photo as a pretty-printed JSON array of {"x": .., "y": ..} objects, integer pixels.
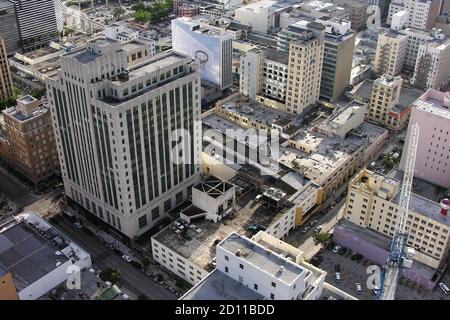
[
  {"x": 339, "y": 45},
  {"x": 306, "y": 46},
  {"x": 114, "y": 126},
  {"x": 39, "y": 22},
  {"x": 8, "y": 27},
  {"x": 6, "y": 84},
  {"x": 212, "y": 46},
  {"x": 29, "y": 132},
  {"x": 432, "y": 113},
  {"x": 391, "y": 53}
]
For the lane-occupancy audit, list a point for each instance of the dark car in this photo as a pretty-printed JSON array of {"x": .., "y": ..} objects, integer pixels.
[
  {"x": 136, "y": 264},
  {"x": 342, "y": 251},
  {"x": 356, "y": 257}
]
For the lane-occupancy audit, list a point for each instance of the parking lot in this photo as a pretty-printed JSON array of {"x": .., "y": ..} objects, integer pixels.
[{"x": 355, "y": 271}]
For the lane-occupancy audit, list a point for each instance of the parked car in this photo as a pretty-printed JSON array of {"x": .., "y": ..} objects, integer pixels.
[
  {"x": 313, "y": 223},
  {"x": 338, "y": 277},
  {"x": 342, "y": 251},
  {"x": 358, "y": 287},
  {"x": 444, "y": 287},
  {"x": 375, "y": 290},
  {"x": 337, "y": 267},
  {"x": 336, "y": 248},
  {"x": 78, "y": 225},
  {"x": 126, "y": 258},
  {"x": 356, "y": 257},
  {"x": 305, "y": 230},
  {"x": 318, "y": 229}
]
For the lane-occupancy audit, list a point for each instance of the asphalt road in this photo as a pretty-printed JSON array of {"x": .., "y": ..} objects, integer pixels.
[
  {"x": 15, "y": 190},
  {"x": 102, "y": 257}
]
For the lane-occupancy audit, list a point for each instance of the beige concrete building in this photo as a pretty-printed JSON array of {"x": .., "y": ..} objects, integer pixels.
[
  {"x": 6, "y": 84},
  {"x": 305, "y": 67},
  {"x": 384, "y": 103},
  {"x": 29, "y": 131},
  {"x": 373, "y": 202},
  {"x": 391, "y": 52}
]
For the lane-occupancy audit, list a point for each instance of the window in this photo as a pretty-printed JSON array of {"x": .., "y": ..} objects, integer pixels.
[
  {"x": 255, "y": 286},
  {"x": 274, "y": 284},
  {"x": 272, "y": 296},
  {"x": 226, "y": 269},
  {"x": 227, "y": 258},
  {"x": 155, "y": 213},
  {"x": 241, "y": 266},
  {"x": 142, "y": 221}
]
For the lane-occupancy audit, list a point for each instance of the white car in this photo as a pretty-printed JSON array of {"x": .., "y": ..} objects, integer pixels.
[
  {"x": 336, "y": 249},
  {"x": 358, "y": 287},
  {"x": 126, "y": 258},
  {"x": 444, "y": 288}
]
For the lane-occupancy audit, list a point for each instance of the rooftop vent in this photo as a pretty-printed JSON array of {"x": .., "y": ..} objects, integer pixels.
[
  {"x": 238, "y": 252},
  {"x": 281, "y": 270}
]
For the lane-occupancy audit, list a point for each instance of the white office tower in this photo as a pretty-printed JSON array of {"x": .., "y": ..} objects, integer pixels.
[
  {"x": 211, "y": 46},
  {"x": 113, "y": 125},
  {"x": 38, "y": 21}
]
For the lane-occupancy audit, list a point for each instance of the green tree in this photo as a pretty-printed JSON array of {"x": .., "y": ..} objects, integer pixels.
[
  {"x": 142, "y": 16},
  {"x": 68, "y": 31},
  {"x": 111, "y": 275},
  {"x": 118, "y": 12},
  {"x": 322, "y": 237}
]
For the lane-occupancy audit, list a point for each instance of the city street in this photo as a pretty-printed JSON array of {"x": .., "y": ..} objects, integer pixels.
[
  {"x": 304, "y": 241},
  {"x": 16, "y": 190},
  {"x": 102, "y": 257}
]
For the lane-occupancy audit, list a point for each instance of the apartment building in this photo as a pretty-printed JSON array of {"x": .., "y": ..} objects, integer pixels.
[
  {"x": 385, "y": 108},
  {"x": 305, "y": 41},
  {"x": 117, "y": 162},
  {"x": 39, "y": 22},
  {"x": 373, "y": 202},
  {"x": 259, "y": 268},
  {"x": 6, "y": 84},
  {"x": 251, "y": 73},
  {"x": 432, "y": 113},
  {"x": 390, "y": 53},
  {"x": 416, "y": 37},
  {"x": 339, "y": 44},
  {"x": 432, "y": 68},
  {"x": 357, "y": 12},
  {"x": 8, "y": 28},
  {"x": 29, "y": 134},
  {"x": 263, "y": 74},
  {"x": 212, "y": 46},
  {"x": 421, "y": 14}
]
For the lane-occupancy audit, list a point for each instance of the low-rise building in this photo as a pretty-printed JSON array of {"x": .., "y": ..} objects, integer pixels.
[
  {"x": 38, "y": 256},
  {"x": 259, "y": 268},
  {"x": 373, "y": 202}
]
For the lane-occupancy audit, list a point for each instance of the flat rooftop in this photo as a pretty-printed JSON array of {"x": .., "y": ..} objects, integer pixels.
[
  {"x": 219, "y": 286},
  {"x": 262, "y": 258},
  {"x": 27, "y": 255},
  {"x": 275, "y": 55},
  {"x": 213, "y": 187},
  {"x": 200, "y": 249}
]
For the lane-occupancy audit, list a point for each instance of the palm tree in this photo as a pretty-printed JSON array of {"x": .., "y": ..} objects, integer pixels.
[{"x": 117, "y": 12}]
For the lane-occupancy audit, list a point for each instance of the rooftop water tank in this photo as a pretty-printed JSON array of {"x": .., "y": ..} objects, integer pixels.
[{"x": 445, "y": 205}]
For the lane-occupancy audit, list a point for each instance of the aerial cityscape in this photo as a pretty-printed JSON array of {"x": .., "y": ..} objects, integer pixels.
[{"x": 224, "y": 150}]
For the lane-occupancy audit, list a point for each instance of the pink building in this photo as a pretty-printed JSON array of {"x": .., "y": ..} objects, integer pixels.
[{"x": 432, "y": 113}]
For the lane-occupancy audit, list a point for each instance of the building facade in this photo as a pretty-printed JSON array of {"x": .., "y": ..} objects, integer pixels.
[
  {"x": 6, "y": 84},
  {"x": 384, "y": 106},
  {"x": 432, "y": 113},
  {"x": 29, "y": 132},
  {"x": 390, "y": 53},
  {"x": 8, "y": 28},
  {"x": 212, "y": 46},
  {"x": 420, "y": 14},
  {"x": 306, "y": 49},
  {"x": 118, "y": 162},
  {"x": 339, "y": 45},
  {"x": 432, "y": 68},
  {"x": 39, "y": 22},
  {"x": 373, "y": 202}
]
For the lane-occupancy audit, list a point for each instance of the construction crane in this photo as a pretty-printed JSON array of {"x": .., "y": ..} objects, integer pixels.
[{"x": 392, "y": 268}]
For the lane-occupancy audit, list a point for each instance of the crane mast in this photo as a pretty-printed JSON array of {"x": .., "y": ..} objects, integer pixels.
[{"x": 392, "y": 267}]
